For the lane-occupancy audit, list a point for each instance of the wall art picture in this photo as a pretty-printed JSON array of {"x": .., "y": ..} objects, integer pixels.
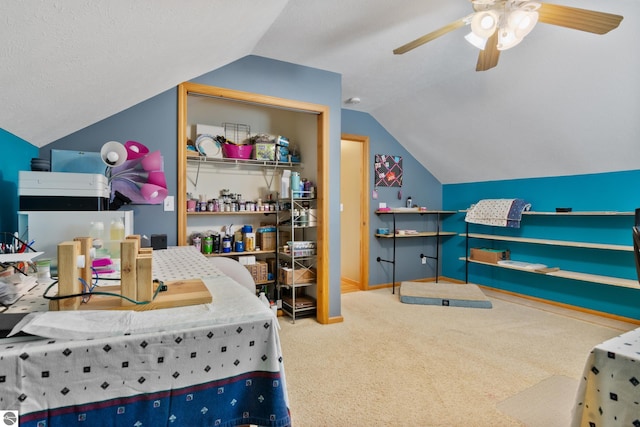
[{"x": 388, "y": 170}]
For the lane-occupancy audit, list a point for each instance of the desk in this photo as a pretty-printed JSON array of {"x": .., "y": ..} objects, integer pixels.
[
  {"x": 609, "y": 392},
  {"x": 213, "y": 364}
]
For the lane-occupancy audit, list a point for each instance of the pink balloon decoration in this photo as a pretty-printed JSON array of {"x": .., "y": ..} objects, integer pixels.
[
  {"x": 153, "y": 193},
  {"x": 135, "y": 150},
  {"x": 152, "y": 161}
]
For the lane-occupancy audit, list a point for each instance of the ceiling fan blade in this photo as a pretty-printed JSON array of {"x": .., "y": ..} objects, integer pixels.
[
  {"x": 431, "y": 36},
  {"x": 488, "y": 58},
  {"x": 578, "y": 19}
]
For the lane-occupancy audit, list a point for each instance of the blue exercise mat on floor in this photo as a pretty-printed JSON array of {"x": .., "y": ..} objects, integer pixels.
[{"x": 444, "y": 294}]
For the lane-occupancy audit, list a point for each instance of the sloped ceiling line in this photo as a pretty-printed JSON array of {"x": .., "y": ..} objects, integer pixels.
[{"x": 562, "y": 102}]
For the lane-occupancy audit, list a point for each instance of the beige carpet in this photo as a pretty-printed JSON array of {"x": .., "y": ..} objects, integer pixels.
[
  {"x": 546, "y": 404},
  {"x": 394, "y": 364}
]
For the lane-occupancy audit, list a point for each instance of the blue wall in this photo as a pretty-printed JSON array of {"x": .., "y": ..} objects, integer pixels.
[
  {"x": 154, "y": 123},
  {"x": 418, "y": 183},
  {"x": 16, "y": 156},
  {"x": 615, "y": 191}
]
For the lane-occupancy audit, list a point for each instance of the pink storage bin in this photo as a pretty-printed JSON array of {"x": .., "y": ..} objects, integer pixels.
[{"x": 232, "y": 151}]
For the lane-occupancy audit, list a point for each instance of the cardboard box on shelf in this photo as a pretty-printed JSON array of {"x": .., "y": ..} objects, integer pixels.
[
  {"x": 271, "y": 262},
  {"x": 266, "y": 240},
  {"x": 489, "y": 255},
  {"x": 259, "y": 271},
  {"x": 303, "y": 302},
  {"x": 286, "y": 275}
]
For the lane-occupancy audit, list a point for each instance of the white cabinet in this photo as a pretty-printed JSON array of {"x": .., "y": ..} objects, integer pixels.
[{"x": 49, "y": 228}]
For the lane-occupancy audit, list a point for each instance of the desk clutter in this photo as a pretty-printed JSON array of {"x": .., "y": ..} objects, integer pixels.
[
  {"x": 17, "y": 262},
  {"x": 13, "y": 285}
]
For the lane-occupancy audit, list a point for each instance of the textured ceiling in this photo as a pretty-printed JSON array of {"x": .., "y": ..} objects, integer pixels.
[{"x": 562, "y": 102}]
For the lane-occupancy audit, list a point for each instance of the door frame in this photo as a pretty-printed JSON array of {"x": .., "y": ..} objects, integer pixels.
[{"x": 364, "y": 211}]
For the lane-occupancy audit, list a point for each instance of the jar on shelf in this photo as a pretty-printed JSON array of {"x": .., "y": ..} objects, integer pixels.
[
  {"x": 197, "y": 243},
  {"x": 96, "y": 232},
  {"x": 226, "y": 244},
  {"x": 295, "y": 184},
  {"x": 304, "y": 217},
  {"x": 216, "y": 243},
  {"x": 207, "y": 245},
  {"x": 249, "y": 241}
]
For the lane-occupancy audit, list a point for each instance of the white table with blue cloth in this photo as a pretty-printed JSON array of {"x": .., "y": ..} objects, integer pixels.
[
  {"x": 217, "y": 364},
  {"x": 609, "y": 390}
]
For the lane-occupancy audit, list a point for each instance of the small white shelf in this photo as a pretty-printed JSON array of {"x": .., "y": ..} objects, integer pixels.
[
  {"x": 585, "y": 277},
  {"x": 243, "y": 162},
  {"x": 606, "y": 246}
]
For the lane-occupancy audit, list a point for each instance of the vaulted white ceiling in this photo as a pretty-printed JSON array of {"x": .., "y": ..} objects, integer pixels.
[{"x": 563, "y": 102}]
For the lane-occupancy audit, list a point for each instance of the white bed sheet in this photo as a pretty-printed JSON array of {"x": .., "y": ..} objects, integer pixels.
[{"x": 231, "y": 303}]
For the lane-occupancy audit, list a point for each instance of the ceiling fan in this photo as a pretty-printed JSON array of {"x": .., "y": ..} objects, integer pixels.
[{"x": 498, "y": 25}]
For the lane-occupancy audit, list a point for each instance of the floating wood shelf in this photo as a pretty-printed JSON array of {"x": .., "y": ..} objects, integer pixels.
[
  {"x": 550, "y": 242},
  {"x": 573, "y": 275}
]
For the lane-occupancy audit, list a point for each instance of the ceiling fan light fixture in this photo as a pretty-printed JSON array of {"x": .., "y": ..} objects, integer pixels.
[
  {"x": 529, "y": 6},
  {"x": 484, "y": 23},
  {"x": 522, "y": 22},
  {"x": 507, "y": 39},
  {"x": 498, "y": 25},
  {"x": 477, "y": 41}
]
